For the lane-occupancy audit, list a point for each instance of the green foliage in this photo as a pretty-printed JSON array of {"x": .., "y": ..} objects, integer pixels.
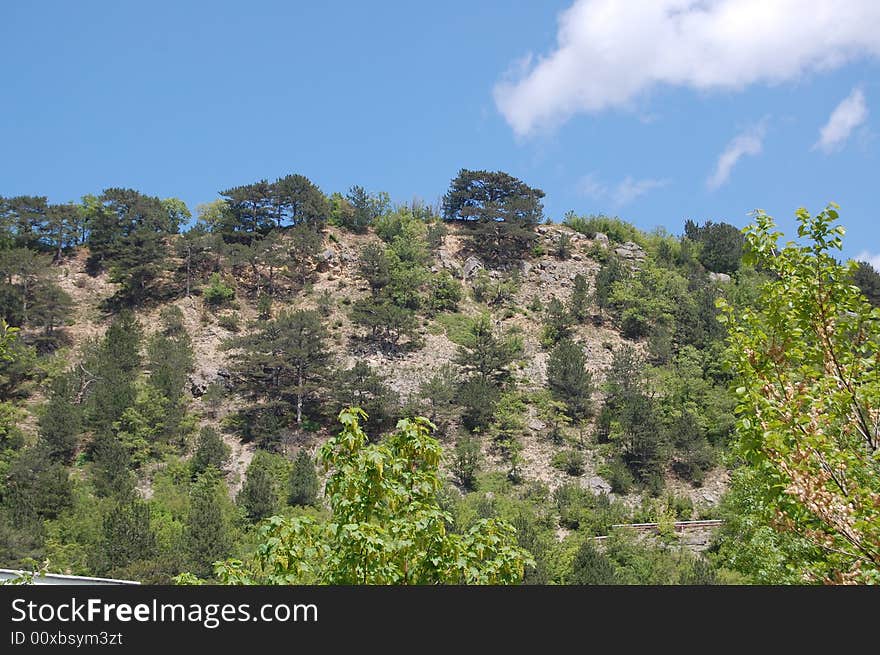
[
  {"x": 866, "y": 278},
  {"x": 127, "y": 535},
  {"x": 210, "y": 451},
  {"x": 466, "y": 461},
  {"x": 111, "y": 473},
  {"x": 570, "y": 460},
  {"x": 364, "y": 387},
  {"x": 446, "y": 293},
  {"x": 611, "y": 272},
  {"x": 128, "y": 237},
  {"x": 808, "y": 385},
  {"x": 218, "y": 294},
  {"x": 562, "y": 246},
  {"x": 485, "y": 354},
  {"x": 494, "y": 292},
  {"x": 386, "y": 526},
  {"x": 615, "y": 229},
  {"x": 284, "y": 361},
  {"x": 207, "y": 536},
  {"x": 499, "y": 210},
  {"x": 557, "y": 323},
  {"x": 303, "y": 485},
  {"x": 258, "y": 496},
  {"x": 439, "y": 397},
  {"x": 61, "y": 421},
  {"x": 579, "y": 303},
  {"x": 591, "y": 567},
  {"x": 720, "y": 245},
  {"x": 569, "y": 380}
]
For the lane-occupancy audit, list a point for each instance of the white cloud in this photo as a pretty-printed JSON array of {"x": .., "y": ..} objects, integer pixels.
[
  {"x": 750, "y": 142},
  {"x": 630, "y": 189},
  {"x": 873, "y": 260},
  {"x": 620, "y": 194},
  {"x": 610, "y": 52},
  {"x": 848, "y": 115},
  {"x": 590, "y": 186}
]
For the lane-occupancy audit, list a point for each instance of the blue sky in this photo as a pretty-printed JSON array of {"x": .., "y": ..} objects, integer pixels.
[{"x": 608, "y": 107}]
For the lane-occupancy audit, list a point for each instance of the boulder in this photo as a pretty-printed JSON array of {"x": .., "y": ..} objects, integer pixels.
[
  {"x": 721, "y": 278},
  {"x": 471, "y": 266},
  {"x": 630, "y": 251}
]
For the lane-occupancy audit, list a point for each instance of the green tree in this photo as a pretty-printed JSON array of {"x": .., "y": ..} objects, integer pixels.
[
  {"x": 284, "y": 361},
  {"x": 557, "y": 322},
  {"x": 499, "y": 210},
  {"x": 386, "y": 525},
  {"x": 257, "y": 496},
  {"x": 303, "y": 485},
  {"x": 721, "y": 245},
  {"x": 364, "y": 387},
  {"x": 867, "y": 279},
  {"x": 579, "y": 303},
  {"x": 569, "y": 380},
  {"x": 809, "y": 391},
  {"x": 109, "y": 372},
  {"x": 207, "y": 537},
  {"x": 127, "y": 535},
  {"x": 591, "y": 567},
  {"x": 466, "y": 460},
  {"x": 111, "y": 473},
  {"x": 61, "y": 422},
  {"x": 485, "y": 354},
  {"x": 210, "y": 452}
]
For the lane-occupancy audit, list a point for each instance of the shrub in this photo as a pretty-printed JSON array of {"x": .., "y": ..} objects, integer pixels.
[
  {"x": 571, "y": 461},
  {"x": 619, "y": 476},
  {"x": 466, "y": 461},
  {"x": 217, "y": 293},
  {"x": 229, "y": 322}
]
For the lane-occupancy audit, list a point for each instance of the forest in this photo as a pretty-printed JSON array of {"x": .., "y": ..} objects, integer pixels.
[{"x": 291, "y": 387}]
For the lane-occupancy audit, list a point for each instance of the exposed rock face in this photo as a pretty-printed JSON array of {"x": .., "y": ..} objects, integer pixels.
[
  {"x": 601, "y": 239},
  {"x": 721, "y": 278},
  {"x": 328, "y": 255},
  {"x": 630, "y": 251},
  {"x": 471, "y": 266}
]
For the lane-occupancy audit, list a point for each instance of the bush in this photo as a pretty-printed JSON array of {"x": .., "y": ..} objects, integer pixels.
[
  {"x": 616, "y": 229},
  {"x": 571, "y": 461},
  {"x": 619, "y": 476},
  {"x": 217, "y": 293},
  {"x": 466, "y": 461},
  {"x": 562, "y": 246},
  {"x": 445, "y": 293},
  {"x": 229, "y": 322},
  {"x": 591, "y": 567}
]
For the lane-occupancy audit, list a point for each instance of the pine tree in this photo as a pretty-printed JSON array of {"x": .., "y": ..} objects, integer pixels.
[
  {"x": 284, "y": 361},
  {"x": 362, "y": 386},
  {"x": 590, "y": 567},
  {"x": 579, "y": 303},
  {"x": 210, "y": 452},
  {"x": 127, "y": 535},
  {"x": 304, "y": 484},
  {"x": 112, "y": 370},
  {"x": 207, "y": 537},
  {"x": 258, "y": 497},
  {"x": 111, "y": 474},
  {"x": 61, "y": 422},
  {"x": 569, "y": 380}
]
